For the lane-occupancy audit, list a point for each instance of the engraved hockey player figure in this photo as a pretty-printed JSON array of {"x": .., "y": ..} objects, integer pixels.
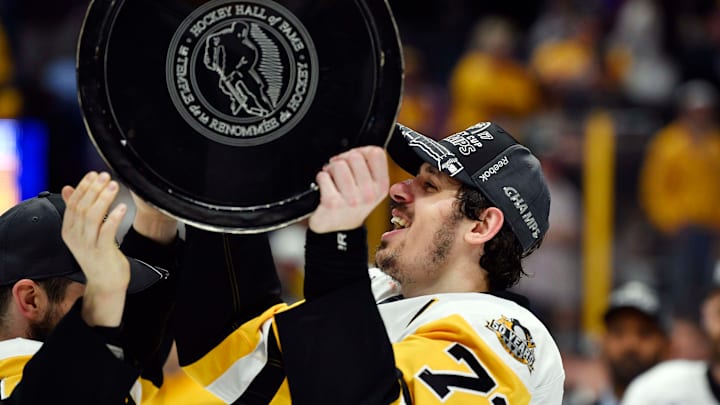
[{"x": 233, "y": 54}]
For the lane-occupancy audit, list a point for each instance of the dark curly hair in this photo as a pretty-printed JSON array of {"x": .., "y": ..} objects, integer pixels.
[{"x": 503, "y": 253}]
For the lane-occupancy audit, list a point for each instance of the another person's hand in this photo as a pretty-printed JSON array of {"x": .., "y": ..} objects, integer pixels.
[
  {"x": 351, "y": 185},
  {"x": 90, "y": 236},
  {"x": 152, "y": 223}
]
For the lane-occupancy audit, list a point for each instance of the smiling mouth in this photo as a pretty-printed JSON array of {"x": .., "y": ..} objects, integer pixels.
[{"x": 400, "y": 223}]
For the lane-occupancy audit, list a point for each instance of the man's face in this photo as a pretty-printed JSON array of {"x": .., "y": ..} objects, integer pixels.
[
  {"x": 632, "y": 344},
  {"x": 426, "y": 220},
  {"x": 40, "y": 330},
  {"x": 710, "y": 311}
]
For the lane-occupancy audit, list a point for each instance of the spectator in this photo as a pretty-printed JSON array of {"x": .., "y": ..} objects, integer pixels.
[
  {"x": 635, "y": 338},
  {"x": 566, "y": 63},
  {"x": 636, "y": 57},
  {"x": 679, "y": 191},
  {"x": 59, "y": 313},
  {"x": 685, "y": 381},
  {"x": 488, "y": 83}
]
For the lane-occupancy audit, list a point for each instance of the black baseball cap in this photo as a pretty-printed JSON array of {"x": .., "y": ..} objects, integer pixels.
[
  {"x": 488, "y": 158},
  {"x": 638, "y": 296},
  {"x": 31, "y": 246}
]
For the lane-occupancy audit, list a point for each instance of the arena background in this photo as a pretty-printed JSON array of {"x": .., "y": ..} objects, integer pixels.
[{"x": 586, "y": 84}]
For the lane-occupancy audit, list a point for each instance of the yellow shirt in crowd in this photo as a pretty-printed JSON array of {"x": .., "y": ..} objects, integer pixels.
[{"x": 680, "y": 179}]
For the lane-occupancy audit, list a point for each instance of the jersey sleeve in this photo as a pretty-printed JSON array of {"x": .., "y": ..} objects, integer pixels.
[
  {"x": 473, "y": 349},
  {"x": 146, "y": 336},
  {"x": 447, "y": 362},
  {"x": 246, "y": 365},
  {"x": 226, "y": 280},
  {"x": 335, "y": 344}
]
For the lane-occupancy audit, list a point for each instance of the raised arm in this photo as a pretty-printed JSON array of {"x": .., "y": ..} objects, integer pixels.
[
  {"x": 146, "y": 335},
  {"x": 339, "y": 325},
  {"x": 98, "y": 375},
  {"x": 91, "y": 239},
  {"x": 144, "y": 315}
]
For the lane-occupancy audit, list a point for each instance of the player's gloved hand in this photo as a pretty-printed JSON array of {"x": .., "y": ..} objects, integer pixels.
[
  {"x": 91, "y": 239},
  {"x": 351, "y": 185}
]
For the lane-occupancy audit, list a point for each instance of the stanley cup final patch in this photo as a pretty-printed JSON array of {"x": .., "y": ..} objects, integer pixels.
[
  {"x": 242, "y": 73},
  {"x": 515, "y": 338}
]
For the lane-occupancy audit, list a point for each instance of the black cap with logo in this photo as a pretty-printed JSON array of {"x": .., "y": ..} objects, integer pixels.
[
  {"x": 488, "y": 158},
  {"x": 31, "y": 246}
]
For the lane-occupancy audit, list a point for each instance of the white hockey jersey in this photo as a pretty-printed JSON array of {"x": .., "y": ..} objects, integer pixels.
[
  {"x": 467, "y": 348},
  {"x": 674, "y": 382}
]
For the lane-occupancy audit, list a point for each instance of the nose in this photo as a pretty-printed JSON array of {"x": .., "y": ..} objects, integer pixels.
[
  {"x": 401, "y": 192},
  {"x": 631, "y": 341}
]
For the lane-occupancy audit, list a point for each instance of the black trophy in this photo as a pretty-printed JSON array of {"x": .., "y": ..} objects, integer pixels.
[{"x": 221, "y": 112}]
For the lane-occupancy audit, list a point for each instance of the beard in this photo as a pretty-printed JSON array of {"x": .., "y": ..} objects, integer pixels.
[
  {"x": 41, "y": 330},
  {"x": 715, "y": 350},
  {"x": 442, "y": 242},
  {"x": 629, "y": 366}
]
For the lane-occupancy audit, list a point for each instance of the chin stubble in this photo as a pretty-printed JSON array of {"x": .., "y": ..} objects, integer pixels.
[{"x": 440, "y": 247}]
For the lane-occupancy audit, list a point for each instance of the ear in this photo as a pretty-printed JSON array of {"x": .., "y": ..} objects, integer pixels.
[
  {"x": 30, "y": 299},
  {"x": 486, "y": 227}
]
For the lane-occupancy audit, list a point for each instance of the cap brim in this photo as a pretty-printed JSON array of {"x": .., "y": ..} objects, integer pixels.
[
  {"x": 656, "y": 318},
  {"x": 400, "y": 153},
  {"x": 615, "y": 310},
  {"x": 142, "y": 276},
  {"x": 410, "y": 149}
]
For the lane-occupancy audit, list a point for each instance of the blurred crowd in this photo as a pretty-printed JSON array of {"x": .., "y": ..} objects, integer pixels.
[
  {"x": 653, "y": 68},
  {"x": 541, "y": 70}
]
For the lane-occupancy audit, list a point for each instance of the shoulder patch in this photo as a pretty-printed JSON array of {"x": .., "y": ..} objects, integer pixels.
[{"x": 515, "y": 338}]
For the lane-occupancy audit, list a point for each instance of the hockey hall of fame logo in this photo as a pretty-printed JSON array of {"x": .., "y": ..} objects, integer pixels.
[{"x": 242, "y": 73}]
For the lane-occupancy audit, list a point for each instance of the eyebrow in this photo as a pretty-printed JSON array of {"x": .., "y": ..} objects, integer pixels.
[{"x": 430, "y": 169}]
